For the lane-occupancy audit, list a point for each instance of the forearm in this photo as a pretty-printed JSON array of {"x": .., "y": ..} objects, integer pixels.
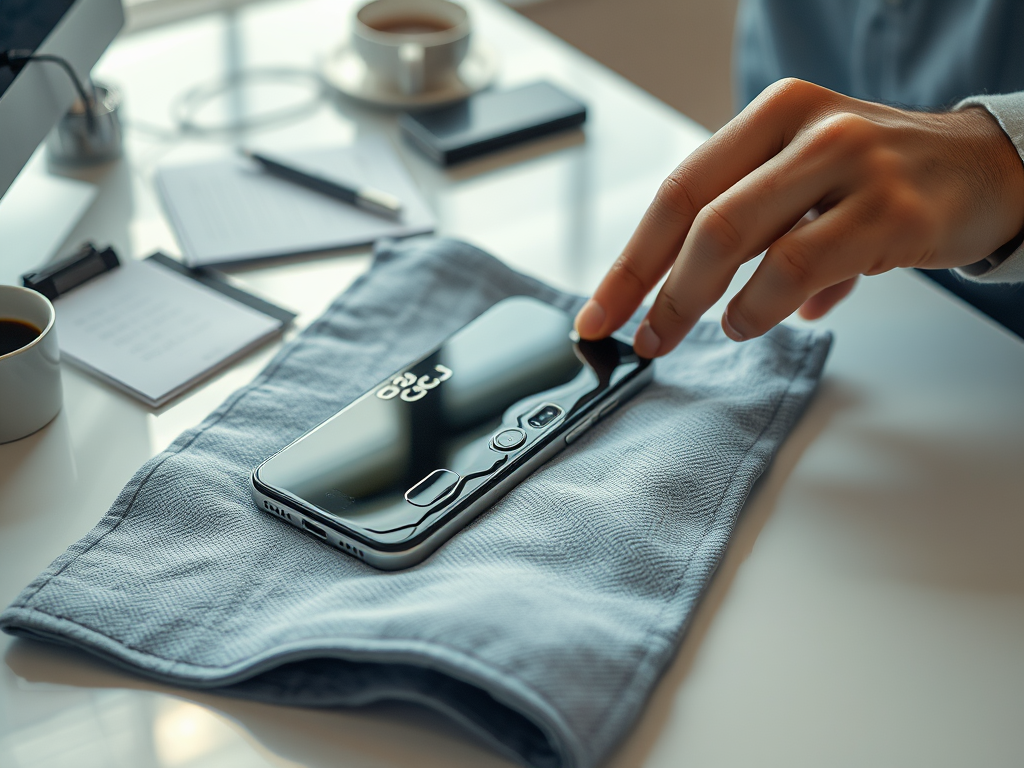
[{"x": 1006, "y": 265}]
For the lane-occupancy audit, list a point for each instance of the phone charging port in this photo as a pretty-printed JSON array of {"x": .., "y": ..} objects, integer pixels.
[{"x": 314, "y": 529}]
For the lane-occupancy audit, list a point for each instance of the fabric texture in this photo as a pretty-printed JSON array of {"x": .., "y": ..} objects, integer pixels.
[{"x": 543, "y": 625}]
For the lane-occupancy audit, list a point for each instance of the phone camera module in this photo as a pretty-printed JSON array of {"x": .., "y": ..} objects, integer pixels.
[{"x": 544, "y": 416}]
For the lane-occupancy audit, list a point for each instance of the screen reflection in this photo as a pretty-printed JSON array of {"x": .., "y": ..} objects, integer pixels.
[{"x": 515, "y": 362}]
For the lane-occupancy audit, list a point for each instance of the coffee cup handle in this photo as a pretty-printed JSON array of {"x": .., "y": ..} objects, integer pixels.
[{"x": 411, "y": 68}]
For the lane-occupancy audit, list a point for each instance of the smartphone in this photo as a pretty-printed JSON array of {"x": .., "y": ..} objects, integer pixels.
[
  {"x": 394, "y": 475},
  {"x": 492, "y": 120}
]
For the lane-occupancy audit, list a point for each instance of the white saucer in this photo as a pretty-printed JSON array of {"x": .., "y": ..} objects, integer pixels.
[{"x": 345, "y": 71}]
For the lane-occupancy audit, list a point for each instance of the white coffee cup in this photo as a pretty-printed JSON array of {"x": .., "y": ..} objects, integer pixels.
[
  {"x": 30, "y": 385},
  {"x": 412, "y": 45}
]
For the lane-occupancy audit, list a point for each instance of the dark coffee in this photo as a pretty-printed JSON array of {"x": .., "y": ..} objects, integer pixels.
[
  {"x": 410, "y": 25},
  {"x": 15, "y": 334}
]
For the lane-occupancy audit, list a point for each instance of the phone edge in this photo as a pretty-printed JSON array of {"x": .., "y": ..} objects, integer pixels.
[{"x": 400, "y": 560}]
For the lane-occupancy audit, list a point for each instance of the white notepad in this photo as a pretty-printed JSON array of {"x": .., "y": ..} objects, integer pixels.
[
  {"x": 231, "y": 210},
  {"x": 153, "y": 332}
]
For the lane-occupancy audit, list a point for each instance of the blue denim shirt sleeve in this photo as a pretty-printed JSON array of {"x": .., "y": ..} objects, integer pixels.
[
  {"x": 914, "y": 53},
  {"x": 917, "y": 53}
]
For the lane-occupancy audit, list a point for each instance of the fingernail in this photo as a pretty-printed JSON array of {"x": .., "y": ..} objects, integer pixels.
[
  {"x": 590, "y": 320},
  {"x": 646, "y": 343},
  {"x": 731, "y": 332}
]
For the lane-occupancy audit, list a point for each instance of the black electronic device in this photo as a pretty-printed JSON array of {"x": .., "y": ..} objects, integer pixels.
[
  {"x": 395, "y": 474},
  {"x": 492, "y": 120},
  {"x": 47, "y": 48}
]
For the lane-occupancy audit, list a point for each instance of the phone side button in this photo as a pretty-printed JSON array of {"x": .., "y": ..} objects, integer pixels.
[
  {"x": 608, "y": 408},
  {"x": 508, "y": 439},
  {"x": 575, "y": 433},
  {"x": 432, "y": 487}
]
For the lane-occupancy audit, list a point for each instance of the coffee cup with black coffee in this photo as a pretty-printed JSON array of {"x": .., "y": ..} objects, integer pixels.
[
  {"x": 30, "y": 384},
  {"x": 413, "y": 46}
]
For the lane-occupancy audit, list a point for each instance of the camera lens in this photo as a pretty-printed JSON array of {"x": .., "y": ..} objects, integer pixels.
[{"x": 544, "y": 416}]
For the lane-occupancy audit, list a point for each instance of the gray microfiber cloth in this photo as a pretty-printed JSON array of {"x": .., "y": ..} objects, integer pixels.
[{"x": 543, "y": 625}]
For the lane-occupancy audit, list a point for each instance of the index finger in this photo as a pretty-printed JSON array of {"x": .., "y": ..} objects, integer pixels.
[{"x": 749, "y": 140}]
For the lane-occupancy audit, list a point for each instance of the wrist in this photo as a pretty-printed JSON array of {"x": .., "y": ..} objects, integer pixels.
[{"x": 1004, "y": 170}]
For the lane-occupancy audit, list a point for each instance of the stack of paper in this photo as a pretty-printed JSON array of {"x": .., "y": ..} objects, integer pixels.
[
  {"x": 231, "y": 210},
  {"x": 154, "y": 332}
]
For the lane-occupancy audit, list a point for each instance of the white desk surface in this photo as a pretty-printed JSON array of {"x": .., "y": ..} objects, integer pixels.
[{"x": 870, "y": 610}]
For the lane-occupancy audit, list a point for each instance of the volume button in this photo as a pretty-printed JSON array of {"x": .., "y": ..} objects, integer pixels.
[{"x": 571, "y": 437}]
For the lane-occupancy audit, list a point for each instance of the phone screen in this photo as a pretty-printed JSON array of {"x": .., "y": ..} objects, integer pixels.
[{"x": 437, "y": 430}]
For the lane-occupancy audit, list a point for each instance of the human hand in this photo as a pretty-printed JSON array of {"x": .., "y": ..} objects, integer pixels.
[{"x": 833, "y": 188}]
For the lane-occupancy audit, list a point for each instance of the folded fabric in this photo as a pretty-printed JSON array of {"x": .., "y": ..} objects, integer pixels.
[{"x": 543, "y": 625}]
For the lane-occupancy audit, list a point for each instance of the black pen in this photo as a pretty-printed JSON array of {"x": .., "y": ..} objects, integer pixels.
[{"x": 368, "y": 199}]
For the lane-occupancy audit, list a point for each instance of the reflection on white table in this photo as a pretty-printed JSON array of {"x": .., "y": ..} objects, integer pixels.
[{"x": 869, "y": 611}]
